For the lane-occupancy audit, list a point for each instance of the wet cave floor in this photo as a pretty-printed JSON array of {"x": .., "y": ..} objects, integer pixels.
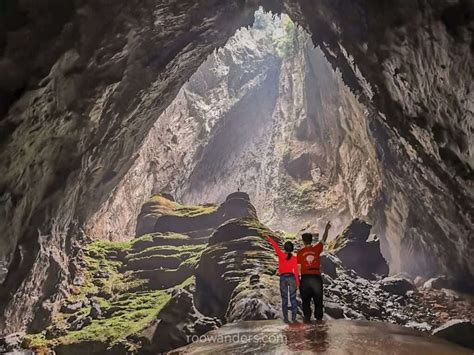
[{"x": 325, "y": 337}]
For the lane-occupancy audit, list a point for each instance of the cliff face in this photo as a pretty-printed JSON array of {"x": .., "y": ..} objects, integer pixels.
[
  {"x": 409, "y": 62},
  {"x": 83, "y": 84},
  {"x": 288, "y": 143},
  {"x": 81, "y": 106}
]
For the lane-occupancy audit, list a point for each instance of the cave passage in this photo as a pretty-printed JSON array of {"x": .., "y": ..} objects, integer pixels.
[
  {"x": 147, "y": 150},
  {"x": 265, "y": 114}
]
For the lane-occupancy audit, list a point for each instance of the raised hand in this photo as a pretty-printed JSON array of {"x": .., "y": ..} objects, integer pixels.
[{"x": 325, "y": 235}]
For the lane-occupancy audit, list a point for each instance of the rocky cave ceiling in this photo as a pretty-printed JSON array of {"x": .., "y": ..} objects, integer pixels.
[{"x": 83, "y": 82}]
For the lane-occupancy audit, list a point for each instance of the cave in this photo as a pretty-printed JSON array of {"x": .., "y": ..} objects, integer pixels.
[{"x": 129, "y": 127}]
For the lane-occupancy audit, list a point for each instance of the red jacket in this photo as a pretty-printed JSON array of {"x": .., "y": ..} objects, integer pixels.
[
  {"x": 310, "y": 259},
  {"x": 285, "y": 266}
]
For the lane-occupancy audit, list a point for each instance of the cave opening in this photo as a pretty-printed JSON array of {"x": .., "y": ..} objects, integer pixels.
[
  {"x": 118, "y": 201},
  {"x": 265, "y": 114}
]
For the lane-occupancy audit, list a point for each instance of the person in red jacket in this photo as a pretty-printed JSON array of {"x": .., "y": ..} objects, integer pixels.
[
  {"x": 289, "y": 279},
  {"x": 311, "y": 288}
]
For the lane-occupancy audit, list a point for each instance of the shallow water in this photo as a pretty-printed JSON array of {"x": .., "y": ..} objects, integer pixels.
[{"x": 326, "y": 337}]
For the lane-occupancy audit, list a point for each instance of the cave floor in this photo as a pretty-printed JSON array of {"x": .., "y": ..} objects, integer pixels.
[{"x": 325, "y": 337}]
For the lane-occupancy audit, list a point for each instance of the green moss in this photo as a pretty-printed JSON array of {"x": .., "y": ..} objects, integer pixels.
[
  {"x": 36, "y": 341},
  {"x": 256, "y": 225},
  {"x": 105, "y": 247},
  {"x": 161, "y": 256},
  {"x": 102, "y": 274},
  {"x": 159, "y": 205},
  {"x": 179, "y": 251},
  {"x": 133, "y": 312},
  {"x": 191, "y": 261},
  {"x": 126, "y": 300},
  {"x": 160, "y": 239},
  {"x": 143, "y": 238},
  {"x": 159, "y": 259},
  {"x": 186, "y": 283},
  {"x": 136, "y": 311},
  {"x": 290, "y": 236},
  {"x": 194, "y": 211}
]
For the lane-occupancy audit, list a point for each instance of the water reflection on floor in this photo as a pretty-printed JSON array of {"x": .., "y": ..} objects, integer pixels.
[{"x": 326, "y": 337}]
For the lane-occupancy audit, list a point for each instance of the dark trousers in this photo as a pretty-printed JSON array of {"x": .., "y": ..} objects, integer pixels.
[
  {"x": 311, "y": 288},
  {"x": 288, "y": 286}
]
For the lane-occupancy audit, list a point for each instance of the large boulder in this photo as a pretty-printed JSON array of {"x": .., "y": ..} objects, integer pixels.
[
  {"x": 356, "y": 252},
  {"x": 334, "y": 310},
  {"x": 235, "y": 251},
  {"x": 176, "y": 324},
  {"x": 458, "y": 331},
  {"x": 329, "y": 264},
  {"x": 235, "y": 229},
  {"x": 257, "y": 298},
  {"x": 396, "y": 285},
  {"x": 439, "y": 282},
  {"x": 238, "y": 195},
  {"x": 160, "y": 214}
]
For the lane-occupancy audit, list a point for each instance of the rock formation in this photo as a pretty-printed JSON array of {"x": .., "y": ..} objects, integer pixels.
[
  {"x": 82, "y": 83},
  {"x": 189, "y": 276},
  {"x": 172, "y": 282},
  {"x": 357, "y": 252},
  {"x": 458, "y": 331},
  {"x": 161, "y": 214}
]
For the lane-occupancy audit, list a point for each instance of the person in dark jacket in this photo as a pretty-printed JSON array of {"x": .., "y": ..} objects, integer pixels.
[
  {"x": 289, "y": 279},
  {"x": 311, "y": 286}
]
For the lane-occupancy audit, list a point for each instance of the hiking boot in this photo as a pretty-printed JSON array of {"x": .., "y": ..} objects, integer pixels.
[
  {"x": 286, "y": 321},
  {"x": 307, "y": 321}
]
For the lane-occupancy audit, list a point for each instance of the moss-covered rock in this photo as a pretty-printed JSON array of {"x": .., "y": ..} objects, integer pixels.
[
  {"x": 160, "y": 279},
  {"x": 126, "y": 284},
  {"x": 162, "y": 215},
  {"x": 129, "y": 289},
  {"x": 123, "y": 310},
  {"x": 179, "y": 319},
  {"x": 153, "y": 261},
  {"x": 236, "y": 250},
  {"x": 257, "y": 297},
  {"x": 162, "y": 239}
]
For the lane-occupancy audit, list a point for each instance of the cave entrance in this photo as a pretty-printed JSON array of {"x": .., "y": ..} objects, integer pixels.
[{"x": 265, "y": 114}]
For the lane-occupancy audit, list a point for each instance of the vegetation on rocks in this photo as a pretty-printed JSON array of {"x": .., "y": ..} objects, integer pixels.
[
  {"x": 149, "y": 294},
  {"x": 123, "y": 303},
  {"x": 161, "y": 239},
  {"x": 255, "y": 224},
  {"x": 159, "y": 205}
]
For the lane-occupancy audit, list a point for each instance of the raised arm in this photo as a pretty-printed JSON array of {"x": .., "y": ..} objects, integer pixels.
[
  {"x": 326, "y": 230},
  {"x": 274, "y": 245}
]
